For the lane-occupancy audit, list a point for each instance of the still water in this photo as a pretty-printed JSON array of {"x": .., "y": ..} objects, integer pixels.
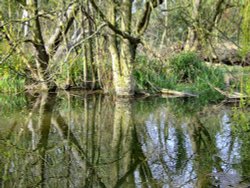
[{"x": 80, "y": 140}]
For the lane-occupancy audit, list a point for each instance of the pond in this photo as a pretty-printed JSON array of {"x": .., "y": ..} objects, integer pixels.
[{"x": 82, "y": 140}]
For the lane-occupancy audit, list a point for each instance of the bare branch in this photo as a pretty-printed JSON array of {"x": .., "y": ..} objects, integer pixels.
[
  {"x": 62, "y": 29},
  {"x": 84, "y": 40},
  {"x": 144, "y": 21},
  {"x": 125, "y": 35}
]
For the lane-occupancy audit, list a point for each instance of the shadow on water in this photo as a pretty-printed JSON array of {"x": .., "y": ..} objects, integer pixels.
[{"x": 88, "y": 141}]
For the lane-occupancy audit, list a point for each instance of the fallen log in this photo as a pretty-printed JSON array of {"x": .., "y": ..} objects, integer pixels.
[
  {"x": 229, "y": 95},
  {"x": 234, "y": 95},
  {"x": 173, "y": 93}
]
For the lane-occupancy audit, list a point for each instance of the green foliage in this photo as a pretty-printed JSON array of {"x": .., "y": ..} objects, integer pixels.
[
  {"x": 184, "y": 72},
  {"x": 150, "y": 74},
  {"x": 247, "y": 86},
  {"x": 72, "y": 69},
  {"x": 10, "y": 104},
  {"x": 241, "y": 119},
  {"x": 241, "y": 113},
  {"x": 245, "y": 39},
  {"x": 195, "y": 76},
  {"x": 187, "y": 66},
  {"x": 10, "y": 81},
  {"x": 12, "y": 73},
  {"x": 11, "y": 85}
]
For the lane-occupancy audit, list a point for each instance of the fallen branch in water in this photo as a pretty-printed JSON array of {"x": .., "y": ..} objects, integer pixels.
[
  {"x": 174, "y": 93},
  {"x": 234, "y": 95},
  {"x": 229, "y": 95}
]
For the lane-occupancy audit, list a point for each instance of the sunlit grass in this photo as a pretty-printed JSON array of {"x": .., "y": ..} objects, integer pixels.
[
  {"x": 11, "y": 85},
  {"x": 184, "y": 72}
]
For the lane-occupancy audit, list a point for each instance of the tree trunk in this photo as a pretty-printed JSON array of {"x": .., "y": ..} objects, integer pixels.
[
  {"x": 192, "y": 42},
  {"x": 123, "y": 54},
  {"x": 122, "y": 42},
  {"x": 42, "y": 57},
  {"x": 90, "y": 47},
  {"x": 123, "y": 69},
  {"x": 198, "y": 32}
]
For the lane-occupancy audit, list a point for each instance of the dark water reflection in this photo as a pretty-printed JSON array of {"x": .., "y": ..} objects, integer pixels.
[{"x": 96, "y": 141}]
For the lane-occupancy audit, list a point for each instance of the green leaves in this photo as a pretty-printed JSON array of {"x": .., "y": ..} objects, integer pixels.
[
  {"x": 245, "y": 39},
  {"x": 187, "y": 66}
]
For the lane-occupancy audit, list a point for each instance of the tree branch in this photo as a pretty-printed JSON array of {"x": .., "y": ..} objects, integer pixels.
[
  {"x": 39, "y": 45},
  {"x": 84, "y": 40},
  {"x": 14, "y": 45},
  {"x": 125, "y": 35},
  {"x": 144, "y": 21},
  {"x": 62, "y": 29}
]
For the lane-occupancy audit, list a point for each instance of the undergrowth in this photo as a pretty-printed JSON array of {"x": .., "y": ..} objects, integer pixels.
[
  {"x": 12, "y": 73},
  {"x": 183, "y": 72},
  {"x": 12, "y": 85}
]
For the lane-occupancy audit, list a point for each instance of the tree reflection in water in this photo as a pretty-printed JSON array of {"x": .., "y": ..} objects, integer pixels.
[{"x": 96, "y": 141}]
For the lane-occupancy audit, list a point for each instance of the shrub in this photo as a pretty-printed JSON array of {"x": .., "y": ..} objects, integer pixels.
[
  {"x": 195, "y": 76},
  {"x": 151, "y": 74},
  {"x": 186, "y": 66}
]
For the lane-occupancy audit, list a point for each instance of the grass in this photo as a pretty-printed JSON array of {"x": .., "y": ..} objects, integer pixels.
[
  {"x": 11, "y": 85},
  {"x": 151, "y": 75},
  {"x": 10, "y": 79},
  {"x": 10, "y": 104},
  {"x": 194, "y": 76},
  {"x": 184, "y": 72}
]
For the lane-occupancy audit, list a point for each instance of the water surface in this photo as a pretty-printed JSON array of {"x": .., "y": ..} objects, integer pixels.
[{"x": 80, "y": 140}]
